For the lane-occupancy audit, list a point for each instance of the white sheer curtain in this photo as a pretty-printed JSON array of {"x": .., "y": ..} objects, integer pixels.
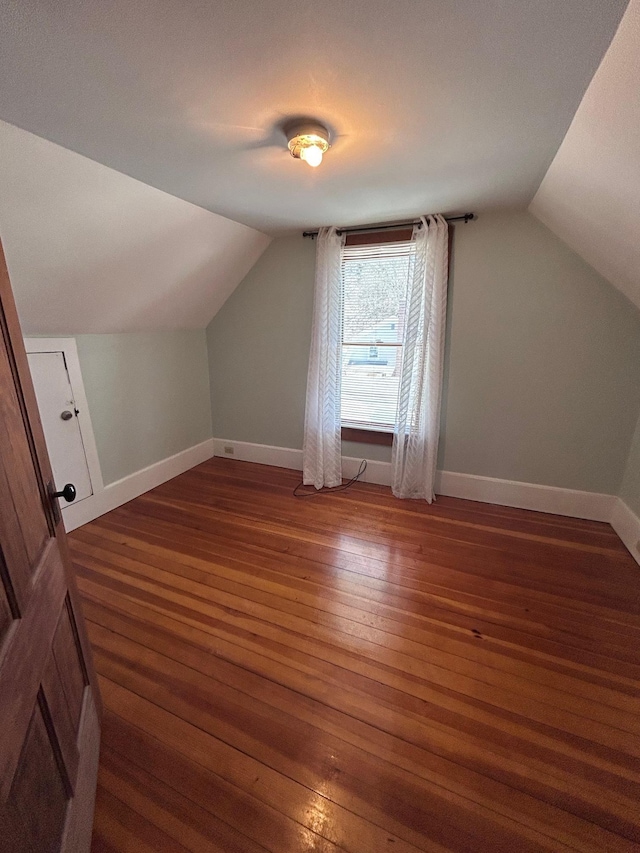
[
  {"x": 415, "y": 440},
  {"x": 322, "y": 450}
]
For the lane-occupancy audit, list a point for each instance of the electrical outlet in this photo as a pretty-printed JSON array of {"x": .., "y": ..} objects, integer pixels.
[{"x": 228, "y": 448}]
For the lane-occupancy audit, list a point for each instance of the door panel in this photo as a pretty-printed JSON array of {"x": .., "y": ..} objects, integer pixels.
[
  {"x": 5, "y": 615},
  {"x": 68, "y": 659},
  {"x": 7, "y": 612},
  {"x": 61, "y": 720},
  {"x": 49, "y": 727},
  {"x": 22, "y": 487},
  {"x": 17, "y": 584},
  {"x": 38, "y": 797},
  {"x": 63, "y": 437},
  {"x": 24, "y": 658}
]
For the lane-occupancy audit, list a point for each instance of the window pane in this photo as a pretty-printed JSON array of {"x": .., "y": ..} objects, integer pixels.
[
  {"x": 374, "y": 298},
  {"x": 370, "y": 386},
  {"x": 374, "y": 293}
]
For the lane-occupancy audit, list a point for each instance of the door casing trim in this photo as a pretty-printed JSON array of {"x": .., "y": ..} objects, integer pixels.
[{"x": 69, "y": 348}]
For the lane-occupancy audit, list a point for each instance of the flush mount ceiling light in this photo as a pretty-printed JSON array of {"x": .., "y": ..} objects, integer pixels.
[{"x": 308, "y": 141}]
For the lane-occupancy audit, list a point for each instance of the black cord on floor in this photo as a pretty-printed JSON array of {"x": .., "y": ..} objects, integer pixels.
[{"x": 361, "y": 470}]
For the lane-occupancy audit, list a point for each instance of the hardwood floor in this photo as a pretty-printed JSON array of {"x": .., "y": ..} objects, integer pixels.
[{"x": 354, "y": 672}]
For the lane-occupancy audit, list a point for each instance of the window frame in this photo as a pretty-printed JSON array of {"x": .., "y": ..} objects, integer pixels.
[{"x": 400, "y": 235}]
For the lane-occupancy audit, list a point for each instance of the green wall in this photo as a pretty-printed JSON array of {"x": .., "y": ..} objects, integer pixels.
[
  {"x": 148, "y": 395},
  {"x": 542, "y": 382},
  {"x": 630, "y": 491},
  {"x": 543, "y": 368},
  {"x": 259, "y": 348}
]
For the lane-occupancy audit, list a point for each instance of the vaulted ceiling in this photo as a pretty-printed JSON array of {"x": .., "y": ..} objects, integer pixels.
[
  {"x": 590, "y": 197},
  {"x": 435, "y": 105},
  {"x": 91, "y": 250}
]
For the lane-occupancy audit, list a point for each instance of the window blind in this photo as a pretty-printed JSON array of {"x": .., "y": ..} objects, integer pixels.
[{"x": 374, "y": 288}]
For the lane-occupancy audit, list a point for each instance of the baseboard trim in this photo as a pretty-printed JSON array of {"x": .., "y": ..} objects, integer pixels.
[
  {"x": 288, "y": 457},
  {"x": 130, "y": 487},
  {"x": 264, "y": 454},
  {"x": 627, "y": 525},
  {"x": 571, "y": 502},
  {"x": 375, "y": 472}
]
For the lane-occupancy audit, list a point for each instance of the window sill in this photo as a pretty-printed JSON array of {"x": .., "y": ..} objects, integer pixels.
[{"x": 367, "y": 436}]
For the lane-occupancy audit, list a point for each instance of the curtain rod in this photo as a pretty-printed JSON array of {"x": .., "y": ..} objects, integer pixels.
[{"x": 464, "y": 217}]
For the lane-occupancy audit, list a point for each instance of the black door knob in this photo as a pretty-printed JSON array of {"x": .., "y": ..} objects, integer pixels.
[{"x": 68, "y": 493}]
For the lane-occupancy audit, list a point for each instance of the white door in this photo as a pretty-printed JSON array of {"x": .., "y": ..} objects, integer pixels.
[{"x": 60, "y": 421}]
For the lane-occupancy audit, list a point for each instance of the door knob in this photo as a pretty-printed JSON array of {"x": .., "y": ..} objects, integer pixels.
[
  {"x": 68, "y": 493},
  {"x": 66, "y": 415}
]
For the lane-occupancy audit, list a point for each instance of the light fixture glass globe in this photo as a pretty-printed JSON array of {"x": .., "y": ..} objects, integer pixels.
[{"x": 312, "y": 155}]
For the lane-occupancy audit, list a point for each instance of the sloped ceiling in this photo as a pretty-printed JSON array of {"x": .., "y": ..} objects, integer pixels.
[
  {"x": 90, "y": 250},
  {"x": 435, "y": 105},
  {"x": 590, "y": 197}
]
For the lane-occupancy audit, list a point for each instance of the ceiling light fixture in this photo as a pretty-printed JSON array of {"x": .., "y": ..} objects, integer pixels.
[{"x": 308, "y": 141}]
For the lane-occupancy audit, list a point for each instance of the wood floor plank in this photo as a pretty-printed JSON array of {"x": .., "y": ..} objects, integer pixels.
[
  {"x": 541, "y": 581},
  {"x": 434, "y": 771},
  {"x": 466, "y": 658},
  {"x": 277, "y": 739},
  {"x": 240, "y": 809},
  {"x": 444, "y": 631},
  {"x": 119, "y": 827},
  {"x": 546, "y": 706},
  {"x": 488, "y": 613},
  {"x": 400, "y": 671},
  {"x": 524, "y": 770},
  {"x": 188, "y": 823},
  {"x": 525, "y": 744},
  {"x": 353, "y": 672}
]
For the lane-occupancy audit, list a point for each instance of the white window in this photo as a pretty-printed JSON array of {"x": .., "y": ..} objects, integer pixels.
[{"x": 374, "y": 280}]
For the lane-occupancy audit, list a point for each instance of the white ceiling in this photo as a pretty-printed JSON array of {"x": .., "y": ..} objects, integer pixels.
[
  {"x": 91, "y": 250},
  {"x": 590, "y": 196},
  {"x": 438, "y": 105}
]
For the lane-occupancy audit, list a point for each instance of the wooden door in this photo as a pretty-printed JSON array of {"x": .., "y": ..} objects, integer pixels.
[{"x": 49, "y": 702}]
